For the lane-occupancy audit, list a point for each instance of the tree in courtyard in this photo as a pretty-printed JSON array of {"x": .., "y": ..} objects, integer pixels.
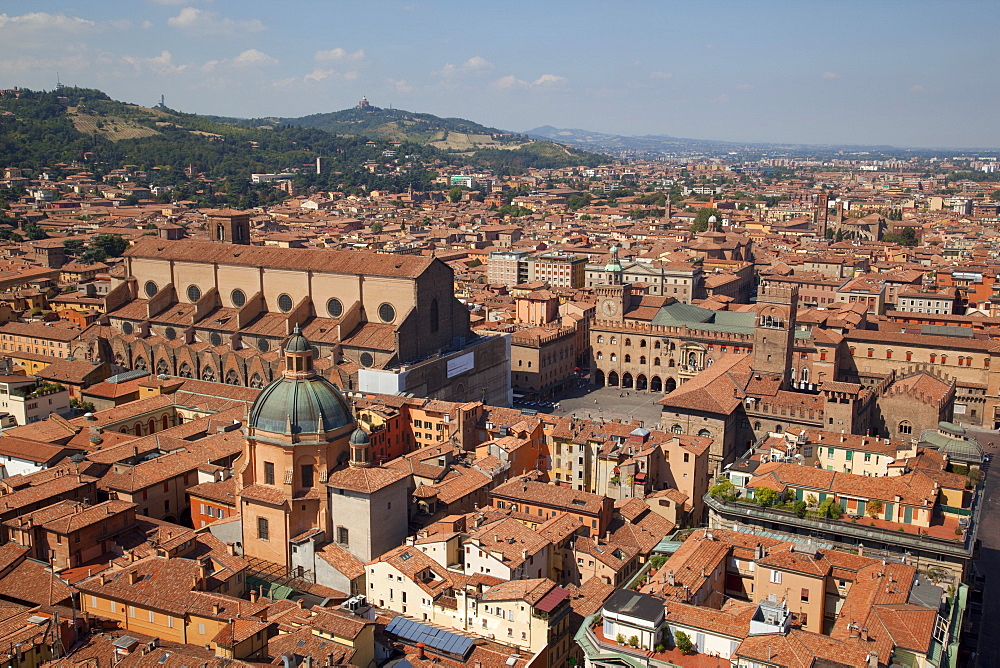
[
  {"x": 33, "y": 231},
  {"x": 765, "y": 496},
  {"x": 874, "y": 508},
  {"x": 113, "y": 245},
  {"x": 683, "y": 642},
  {"x": 724, "y": 489}
]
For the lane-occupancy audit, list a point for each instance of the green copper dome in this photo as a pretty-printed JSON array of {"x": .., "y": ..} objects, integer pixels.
[
  {"x": 296, "y": 342},
  {"x": 360, "y": 437},
  {"x": 300, "y": 401},
  {"x": 306, "y": 405}
]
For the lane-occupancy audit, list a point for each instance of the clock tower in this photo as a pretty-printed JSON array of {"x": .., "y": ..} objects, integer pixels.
[{"x": 612, "y": 301}]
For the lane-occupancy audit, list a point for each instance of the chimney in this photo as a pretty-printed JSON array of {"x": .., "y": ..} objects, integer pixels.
[
  {"x": 253, "y": 595},
  {"x": 670, "y": 578},
  {"x": 133, "y": 577},
  {"x": 421, "y": 653},
  {"x": 216, "y": 608}
]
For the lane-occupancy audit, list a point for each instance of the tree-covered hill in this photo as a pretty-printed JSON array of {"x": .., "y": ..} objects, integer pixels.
[{"x": 41, "y": 129}]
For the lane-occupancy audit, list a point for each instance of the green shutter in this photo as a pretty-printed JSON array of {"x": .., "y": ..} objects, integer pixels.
[
  {"x": 822, "y": 497},
  {"x": 907, "y": 515},
  {"x": 890, "y": 511},
  {"x": 850, "y": 455},
  {"x": 799, "y": 495},
  {"x": 862, "y": 507},
  {"x": 843, "y": 504}
]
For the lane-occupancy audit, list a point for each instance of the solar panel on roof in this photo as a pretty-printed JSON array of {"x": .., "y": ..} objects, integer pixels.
[{"x": 438, "y": 639}]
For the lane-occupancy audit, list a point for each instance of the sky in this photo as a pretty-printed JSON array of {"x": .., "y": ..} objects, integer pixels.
[{"x": 904, "y": 73}]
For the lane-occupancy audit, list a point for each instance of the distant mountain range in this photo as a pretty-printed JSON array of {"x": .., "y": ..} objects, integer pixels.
[{"x": 667, "y": 145}]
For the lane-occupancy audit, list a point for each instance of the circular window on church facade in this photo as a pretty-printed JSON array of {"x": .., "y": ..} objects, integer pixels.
[
  {"x": 127, "y": 327},
  {"x": 367, "y": 359},
  {"x": 239, "y": 298},
  {"x": 215, "y": 338},
  {"x": 170, "y": 333},
  {"x": 194, "y": 293},
  {"x": 263, "y": 345},
  {"x": 151, "y": 288},
  {"x": 386, "y": 312},
  {"x": 285, "y": 303},
  {"x": 334, "y": 308}
]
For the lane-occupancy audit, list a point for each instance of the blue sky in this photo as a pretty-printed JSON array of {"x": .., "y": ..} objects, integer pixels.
[{"x": 886, "y": 72}]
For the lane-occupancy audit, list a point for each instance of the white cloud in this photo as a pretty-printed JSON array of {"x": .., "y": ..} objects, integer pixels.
[
  {"x": 661, "y": 75},
  {"x": 205, "y": 22},
  {"x": 400, "y": 85},
  {"x": 472, "y": 65},
  {"x": 339, "y": 54},
  {"x": 722, "y": 99},
  {"x": 744, "y": 87},
  {"x": 254, "y": 57},
  {"x": 147, "y": 25},
  {"x": 43, "y": 21},
  {"x": 830, "y": 75},
  {"x": 161, "y": 64},
  {"x": 319, "y": 74},
  {"x": 248, "y": 58},
  {"x": 510, "y": 81},
  {"x": 919, "y": 88},
  {"x": 170, "y": 2},
  {"x": 548, "y": 80}
]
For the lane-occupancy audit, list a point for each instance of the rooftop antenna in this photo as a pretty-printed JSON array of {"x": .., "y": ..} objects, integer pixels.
[
  {"x": 58, "y": 83},
  {"x": 161, "y": 101}
]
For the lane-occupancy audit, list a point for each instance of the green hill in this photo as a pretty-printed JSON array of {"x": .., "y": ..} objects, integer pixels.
[
  {"x": 400, "y": 125},
  {"x": 43, "y": 129},
  {"x": 483, "y": 146}
]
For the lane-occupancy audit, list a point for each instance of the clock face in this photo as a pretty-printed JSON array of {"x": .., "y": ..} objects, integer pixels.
[{"x": 609, "y": 307}]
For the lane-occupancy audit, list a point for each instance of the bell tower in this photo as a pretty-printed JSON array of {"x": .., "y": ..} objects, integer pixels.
[
  {"x": 229, "y": 226},
  {"x": 774, "y": 332}
]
